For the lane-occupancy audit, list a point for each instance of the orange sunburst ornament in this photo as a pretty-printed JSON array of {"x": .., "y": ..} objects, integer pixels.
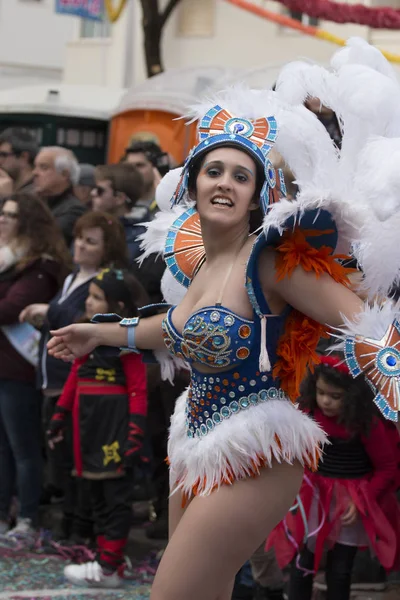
[
  {"x": 379, "y": 361},
  {"x": 184, "y": 249}
]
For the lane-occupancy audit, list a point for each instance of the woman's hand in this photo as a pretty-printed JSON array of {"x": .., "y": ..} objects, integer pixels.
[
  {"x": 74, "y": 341},
  {"x": 34, "y": 314},
  {"x": 350, "y": 516}
]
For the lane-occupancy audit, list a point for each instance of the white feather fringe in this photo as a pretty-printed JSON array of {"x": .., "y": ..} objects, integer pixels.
[
  {"x": 169, "y": 364},
  {"x": 234, "y": 444},
  {"x": 173, "y": 292},
  {"x": 377, "y": 177},
  {"x": 358, "y": 51},
  {"x": 378, "y": 252},
  {"x": 153, "y": 240},
  {"x": 166, "y": 189},
  {"x": 372, "y": 322}
]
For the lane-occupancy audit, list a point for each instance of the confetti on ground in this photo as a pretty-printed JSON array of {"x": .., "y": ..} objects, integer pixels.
[{"x": 34, "y": 578}]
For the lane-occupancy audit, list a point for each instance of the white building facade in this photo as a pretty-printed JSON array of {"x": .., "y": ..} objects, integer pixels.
[
  {"x": 39, "y": 46},
  {"x": 33, "y": 42},
  {"x": 201, "y": 33}
]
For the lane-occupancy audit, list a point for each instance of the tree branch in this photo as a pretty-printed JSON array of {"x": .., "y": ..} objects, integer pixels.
[{"x": 164, "y": 16}]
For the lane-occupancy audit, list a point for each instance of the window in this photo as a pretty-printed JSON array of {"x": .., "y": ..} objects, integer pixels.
[
  {"x": 89, "y": 139},
  {"x": 72, "y": 138},
  {"x": 297, "y": 16},
  {"x": 303, "y": 18},
  {"x": 60, "y": 137},
  {"x": 196, "y": 19},
  {"x": 95, "y": 29},
  {"x": 100, "y": 140}
]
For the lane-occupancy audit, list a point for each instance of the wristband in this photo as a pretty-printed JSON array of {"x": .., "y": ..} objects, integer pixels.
[{"x": 131, "y": 325}]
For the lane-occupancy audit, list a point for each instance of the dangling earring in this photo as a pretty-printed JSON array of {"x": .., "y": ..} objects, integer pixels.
[{"x": 274, "y": 187}]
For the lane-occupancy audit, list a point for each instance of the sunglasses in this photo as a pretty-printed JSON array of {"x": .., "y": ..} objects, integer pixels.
[
  {"x": 98, "y": 190},
  {"x": 8, "y": 215}
]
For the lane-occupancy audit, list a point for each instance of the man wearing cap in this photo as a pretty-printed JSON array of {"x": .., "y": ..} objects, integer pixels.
[{"x": 86, "y": 182}]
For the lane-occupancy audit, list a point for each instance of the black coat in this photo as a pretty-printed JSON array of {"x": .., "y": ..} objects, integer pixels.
[{"x": 66, "y": 209}]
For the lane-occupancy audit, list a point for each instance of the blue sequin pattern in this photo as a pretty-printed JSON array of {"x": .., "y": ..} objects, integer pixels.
[
  {"x": 213, "y": 399},
  {"x": 213, "y": 336}
]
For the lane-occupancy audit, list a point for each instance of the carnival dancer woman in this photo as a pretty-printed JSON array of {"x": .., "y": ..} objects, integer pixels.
[
  {"x": 237, "y": 445},
  {"x": 350, "y": 502}
]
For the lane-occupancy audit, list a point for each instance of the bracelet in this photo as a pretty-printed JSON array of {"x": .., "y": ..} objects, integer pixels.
[{"x": 131, "y": 325}]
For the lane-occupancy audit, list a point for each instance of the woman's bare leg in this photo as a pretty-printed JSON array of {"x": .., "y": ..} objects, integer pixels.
[
  {"x": 175, "y": 511},
  {"x": 175, "y": 514},
  {"x": 219, "y": 532}
]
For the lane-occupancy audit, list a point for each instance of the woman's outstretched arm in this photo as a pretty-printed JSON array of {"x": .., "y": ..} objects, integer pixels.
[{"x": 74, "y": 341}]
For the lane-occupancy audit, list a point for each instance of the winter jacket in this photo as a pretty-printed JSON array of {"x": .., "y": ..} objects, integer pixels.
[
  {"x": 64, "y": 309},
  {"x": 66, "y": 209},
  {"x": 36, "y": 282}
]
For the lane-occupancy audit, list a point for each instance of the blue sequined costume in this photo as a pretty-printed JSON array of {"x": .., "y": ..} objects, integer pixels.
[{"x": 232, "y": 422}]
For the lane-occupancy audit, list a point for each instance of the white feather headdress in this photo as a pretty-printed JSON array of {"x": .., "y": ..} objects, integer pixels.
[{"x": 363, "y": 91}]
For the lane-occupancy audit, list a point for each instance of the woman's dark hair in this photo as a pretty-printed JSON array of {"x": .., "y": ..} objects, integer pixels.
[
  {"x": 115, "y": 248},
  {"x": 121, "y": 286},
  {"x": 359, "y": 410},
  {"x": 38, "y": 228},
  {"x": 256, "y": 216}
]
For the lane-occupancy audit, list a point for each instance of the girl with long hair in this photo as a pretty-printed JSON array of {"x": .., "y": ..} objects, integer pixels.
[{"x": 350, "y": 501}]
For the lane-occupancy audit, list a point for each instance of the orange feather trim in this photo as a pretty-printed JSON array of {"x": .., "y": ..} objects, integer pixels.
[
  {"x": 294, "y": 250},
  {"x": 311, "y": 460},
  {"x": 297, "y": 346},
  {"x": 296, "y": 352}
]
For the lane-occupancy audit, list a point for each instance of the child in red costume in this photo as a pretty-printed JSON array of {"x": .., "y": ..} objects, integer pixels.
[
  {"x": 107, "y": 397},
  {"x": 350, "y": 502}
]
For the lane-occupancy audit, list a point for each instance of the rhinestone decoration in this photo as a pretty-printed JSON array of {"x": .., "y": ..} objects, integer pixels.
[
  {"x": 244, "y": 331},
  {"x": 229, "y": 320},
  {"x": 203, "y": 416},
  {"x": 379, "y": 361},
  {"x": 270, "y": 173},
  {"x": 388, "y": 361},
  {"x": 239, "y": 126},
  {"x": 208, "y": 336}
]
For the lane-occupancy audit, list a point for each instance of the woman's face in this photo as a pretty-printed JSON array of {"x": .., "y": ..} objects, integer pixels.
[
  {"x": 89, "y": 248},
  {"x": 8, "y": 221},
  {"x": 95, "y": 302},
  {"x": 225, "y": 186}
]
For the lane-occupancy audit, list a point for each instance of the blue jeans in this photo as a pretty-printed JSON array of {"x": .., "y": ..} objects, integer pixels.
[{"x": 20, "y": 451}]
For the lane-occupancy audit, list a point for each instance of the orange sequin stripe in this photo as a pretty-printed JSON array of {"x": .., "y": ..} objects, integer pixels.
[{"x": 297, "y": 346}]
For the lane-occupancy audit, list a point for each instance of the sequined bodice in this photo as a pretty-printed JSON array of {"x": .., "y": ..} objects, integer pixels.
[{"x": 213, "y": 336}]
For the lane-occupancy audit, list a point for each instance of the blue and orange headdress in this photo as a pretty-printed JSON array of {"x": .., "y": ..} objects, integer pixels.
[{"x": 218, "y": 127}]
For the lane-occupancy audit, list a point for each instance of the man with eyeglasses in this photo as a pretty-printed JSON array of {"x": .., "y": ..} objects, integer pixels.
[
  {"x": 18, "y": 149},
  {"x": 118, "y": 188}
]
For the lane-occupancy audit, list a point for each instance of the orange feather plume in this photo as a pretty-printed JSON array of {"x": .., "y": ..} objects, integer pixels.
[{"x": 297, "y": 346}]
